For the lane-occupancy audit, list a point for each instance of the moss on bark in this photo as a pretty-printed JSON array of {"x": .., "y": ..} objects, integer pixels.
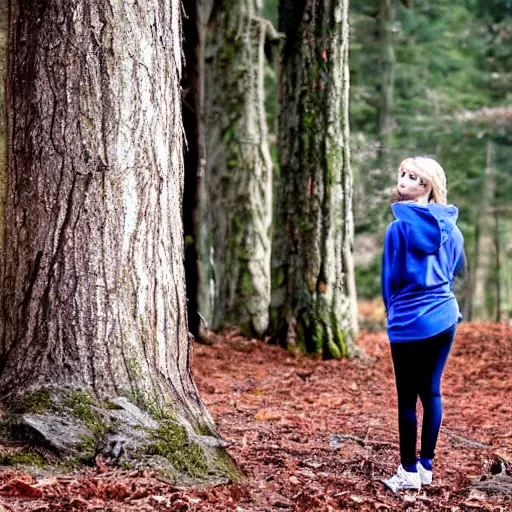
[
  {"x": 116, "y": 428},
  {"x": 238, "y": 172},
  {"x": 314, "y": 306}
]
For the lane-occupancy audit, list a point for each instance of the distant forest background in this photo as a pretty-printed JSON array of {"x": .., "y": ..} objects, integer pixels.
[{"x": 433, "y": 78}]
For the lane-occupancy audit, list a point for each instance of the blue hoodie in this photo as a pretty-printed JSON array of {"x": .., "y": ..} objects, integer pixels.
[{"x": 423, "y": 250}]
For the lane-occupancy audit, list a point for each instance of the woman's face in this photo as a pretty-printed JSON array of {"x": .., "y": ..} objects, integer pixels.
[{"x": 410, "y": 186}]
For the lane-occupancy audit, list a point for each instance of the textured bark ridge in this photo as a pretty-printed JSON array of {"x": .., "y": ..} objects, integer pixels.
[
  {"x": 238, "y": 178},
  {"x": 313, "y": 303},
  {"x": 92, "y": 279},
  {"x": 4, "y": 16}
]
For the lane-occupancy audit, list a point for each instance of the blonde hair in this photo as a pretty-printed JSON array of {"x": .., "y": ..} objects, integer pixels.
[{"x": 431, "y": 172}]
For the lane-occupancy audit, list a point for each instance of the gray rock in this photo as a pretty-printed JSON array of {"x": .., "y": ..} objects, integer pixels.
[
  {"x": 131, "y": 415},
  {"x": 65, "y": 434}
]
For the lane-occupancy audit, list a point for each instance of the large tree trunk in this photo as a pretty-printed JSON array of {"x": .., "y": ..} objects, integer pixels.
[
  {"x": 92, "y": 278},
  {"x": 314, "y": 294},
  {"x": 238, "y": 180}
]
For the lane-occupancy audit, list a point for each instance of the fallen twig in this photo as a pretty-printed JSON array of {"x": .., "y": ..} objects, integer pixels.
[
  {"x": 469, "y": 442},
  {"x": 337, "y": 441}
]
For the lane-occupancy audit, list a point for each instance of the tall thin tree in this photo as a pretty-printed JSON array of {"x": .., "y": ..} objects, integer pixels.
[
  {"x": 387, "y": 86},
  {"x": 484, "y": 242},
  {"x": 196, "y": 14},
  {"x": 314, "y": 304}
]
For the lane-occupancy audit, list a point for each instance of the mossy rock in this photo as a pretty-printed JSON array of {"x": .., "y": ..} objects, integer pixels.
[{"x": 77, "y": 427}]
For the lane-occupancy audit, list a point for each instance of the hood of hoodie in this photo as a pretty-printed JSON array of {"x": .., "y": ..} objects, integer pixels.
[{"x": 428, "y": 227}]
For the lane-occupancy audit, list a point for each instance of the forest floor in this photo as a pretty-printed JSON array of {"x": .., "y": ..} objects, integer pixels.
[{"x": 313, "y": 435}]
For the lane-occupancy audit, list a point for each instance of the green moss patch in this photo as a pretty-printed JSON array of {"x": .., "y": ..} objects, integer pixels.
[
  {"x": 21, "y": 459},
  {"x": 226, "y": 466},
  {"x": 37, "y": 403},
  {"x": 170, "y": 441},
  {"x": 85, "y": 408}
]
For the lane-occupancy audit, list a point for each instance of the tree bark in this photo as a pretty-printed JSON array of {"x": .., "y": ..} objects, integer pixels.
[
  {"x": 4, "y": 17},
  {"x": 314, "y": 306},
  {"x": 238, "y": 180},
  {"x": 92, "y": 278}
]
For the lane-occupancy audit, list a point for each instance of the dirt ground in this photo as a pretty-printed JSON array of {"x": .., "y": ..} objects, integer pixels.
[{"x": 315, "y": 435}]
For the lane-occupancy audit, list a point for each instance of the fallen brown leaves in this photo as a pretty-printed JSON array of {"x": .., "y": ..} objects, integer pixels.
[
  {"x": 91, "y": 491},
  {"x": 315, "y": 435}
]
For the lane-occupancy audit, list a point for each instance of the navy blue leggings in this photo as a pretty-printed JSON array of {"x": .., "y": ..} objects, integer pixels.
[{"x": 419, "y": 367}]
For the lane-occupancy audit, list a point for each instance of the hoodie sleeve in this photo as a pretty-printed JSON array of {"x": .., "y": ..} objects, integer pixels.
[{"x": 390, "y": 277}]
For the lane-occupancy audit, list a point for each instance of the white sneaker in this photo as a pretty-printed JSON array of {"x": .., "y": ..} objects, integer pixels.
[
  {"x": 425, "y": 474},
  {"x": 403, "y": 480}
]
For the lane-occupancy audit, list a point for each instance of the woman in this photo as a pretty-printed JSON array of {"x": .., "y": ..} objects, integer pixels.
[{"x": 423, "y": 250}]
